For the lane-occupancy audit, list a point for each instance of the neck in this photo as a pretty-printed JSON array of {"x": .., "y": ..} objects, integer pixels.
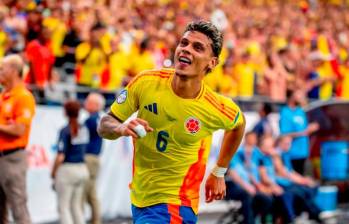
[
  {"x": 10, "y": 85},
  {"x": 292, "y": 104},
  {"x": 186, "y": 87},
  {"x": 248, "y": 146}
]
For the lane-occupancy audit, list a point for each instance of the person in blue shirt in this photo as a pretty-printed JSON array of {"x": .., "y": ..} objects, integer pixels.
[
  {"x": 304, "y": 188},
  {"x": 283, "y": 200},
  {"x": 263, "y": 126},
  {"x": 94, "y": 104},
  {"x": 239, "y": 182},
  {"x": 69, "y": 171},
  {"x": 294, "y": 123}
]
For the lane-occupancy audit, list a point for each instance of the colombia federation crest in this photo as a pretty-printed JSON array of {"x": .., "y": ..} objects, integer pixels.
[{"x": 192, "y": 125}]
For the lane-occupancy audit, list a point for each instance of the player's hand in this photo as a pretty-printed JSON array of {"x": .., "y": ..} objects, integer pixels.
[
  {"x": 214, "y": 188},
  {"x": 127, "y": 129}
]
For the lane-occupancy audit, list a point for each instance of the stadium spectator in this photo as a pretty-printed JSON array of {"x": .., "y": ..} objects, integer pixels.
[
  {"x": 69, "y": 172},
  {"x": 119, "y": 65},
  {"x": 294, "y": 123},
  {"x": 143, "y": 58},
  {"x": 94, "y": 105},
  {"x": 263, "y": 126},
  {"x": 244, "y": 73},
  {"x": 41, "y": 60},
  {"x": 276, "y": 78},
  {"x": 243, "y": 184},
  {"x": 92, "y": 59},
  {"x": 321, "y": 78},
  {"x": 70, "y": 42},
  {"x": 34, "y": 21},
  {"x": 304, "y": 188},
  {"x": 241, "y": 188},
  {"x": 283, "y": 199},
  {"x": 16, "y": 113}
]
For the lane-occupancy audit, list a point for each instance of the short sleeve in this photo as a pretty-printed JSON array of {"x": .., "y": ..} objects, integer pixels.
[
  {"x": 25, "y": 110},
  {"x": 285, "y": 122},
  {"x": 81, "y": 51},
  {"x": 127, "y": 101},
  {"x": 62, "y": 142},
  {"x": 233, "y": 114},
  {"x": 91, "y": 123}
]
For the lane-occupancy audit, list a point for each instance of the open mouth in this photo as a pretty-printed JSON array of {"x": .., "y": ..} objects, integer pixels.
[{"x": 184, "y": 60}]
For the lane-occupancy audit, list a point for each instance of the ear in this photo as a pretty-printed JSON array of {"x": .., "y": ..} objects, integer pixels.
[{"x": 213, "y": 63}]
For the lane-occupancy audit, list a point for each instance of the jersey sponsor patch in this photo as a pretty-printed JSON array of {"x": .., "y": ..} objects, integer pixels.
[
  {"x": 122, "y": 97},
  {"x": 192, "y": 125}
]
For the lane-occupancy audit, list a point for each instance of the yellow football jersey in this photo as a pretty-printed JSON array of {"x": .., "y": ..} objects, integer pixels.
[{"x": 169, "y": 163}]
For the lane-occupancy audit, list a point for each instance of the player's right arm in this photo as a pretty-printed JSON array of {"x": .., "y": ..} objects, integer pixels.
[{"x": 111, "y": 127}]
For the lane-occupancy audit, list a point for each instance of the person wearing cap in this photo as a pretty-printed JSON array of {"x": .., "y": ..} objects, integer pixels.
[{"x": 16, "y": 114}]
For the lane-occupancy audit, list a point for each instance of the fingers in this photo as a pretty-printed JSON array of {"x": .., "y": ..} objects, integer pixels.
[
  {"x": 129, "y": 127},
  {"x": 128, "y": 131},
  {"x": 138, "y": 121},
  {"x": 209, "y": 195},
  {"x": 216, "y": 192},
  {"x": 145, "y": 124}
]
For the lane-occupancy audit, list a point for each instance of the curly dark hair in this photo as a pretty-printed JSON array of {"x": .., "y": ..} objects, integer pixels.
[{"x": 210, "y": 31}]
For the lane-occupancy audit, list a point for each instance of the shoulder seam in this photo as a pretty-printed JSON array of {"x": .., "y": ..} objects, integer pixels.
[
  {"x": 149, "y": 73},
  {"x": 224, "y": 109}
]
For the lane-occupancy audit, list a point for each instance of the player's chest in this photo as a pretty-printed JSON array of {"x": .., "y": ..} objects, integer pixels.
[{"x": 181, "y": 121}]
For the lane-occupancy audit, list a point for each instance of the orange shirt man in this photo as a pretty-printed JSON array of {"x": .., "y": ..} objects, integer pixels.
[{"x": 16, "y": 113}]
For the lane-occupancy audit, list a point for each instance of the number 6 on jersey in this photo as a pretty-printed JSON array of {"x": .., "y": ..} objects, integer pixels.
[{"x": 161, "y": 142}]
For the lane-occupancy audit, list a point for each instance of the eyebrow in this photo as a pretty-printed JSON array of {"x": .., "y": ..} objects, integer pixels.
[{"x": 196, "y": 42}]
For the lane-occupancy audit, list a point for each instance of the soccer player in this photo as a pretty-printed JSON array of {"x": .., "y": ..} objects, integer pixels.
[{"x": 180, "y": 113}]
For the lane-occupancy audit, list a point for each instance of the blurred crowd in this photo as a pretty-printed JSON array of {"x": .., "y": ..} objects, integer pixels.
[{"x": 270, "y": 46}]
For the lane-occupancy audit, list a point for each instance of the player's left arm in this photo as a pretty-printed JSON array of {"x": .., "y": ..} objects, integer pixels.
[{"x": 215, "y": 184}]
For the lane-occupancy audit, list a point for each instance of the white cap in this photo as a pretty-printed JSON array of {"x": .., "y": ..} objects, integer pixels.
[{"x": 317, "y": 55}]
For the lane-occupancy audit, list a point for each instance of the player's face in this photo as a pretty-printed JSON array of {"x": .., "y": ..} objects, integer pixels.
[{"x": 194, "y": 56}]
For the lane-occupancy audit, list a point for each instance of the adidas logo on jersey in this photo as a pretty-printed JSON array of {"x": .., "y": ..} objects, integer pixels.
[{"x": 152, "y": 108}]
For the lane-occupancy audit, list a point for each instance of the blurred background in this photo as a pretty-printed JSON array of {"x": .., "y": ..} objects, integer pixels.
[{"x": 74, "y": 47}]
